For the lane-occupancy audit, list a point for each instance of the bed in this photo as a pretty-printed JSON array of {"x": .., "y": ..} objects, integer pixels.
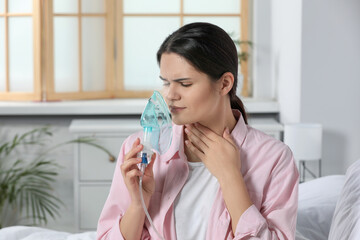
[
  {"x": 317, "y": 202},
  {"x": 329, "y": 208},
  {"x": 37, "y": 233}
]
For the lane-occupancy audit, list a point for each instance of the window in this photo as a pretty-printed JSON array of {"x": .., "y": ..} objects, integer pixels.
[
  {"x": 91, "y": 49},
  {"x": 20, "y": 50},
  {"x": 79, "y": 37}
]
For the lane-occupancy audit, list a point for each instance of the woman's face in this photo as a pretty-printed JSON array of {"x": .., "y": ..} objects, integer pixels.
[{"x": 190, "y": 94}]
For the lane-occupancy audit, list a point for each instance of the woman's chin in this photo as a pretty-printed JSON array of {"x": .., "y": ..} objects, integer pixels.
[{"x": 179, "y": 121}]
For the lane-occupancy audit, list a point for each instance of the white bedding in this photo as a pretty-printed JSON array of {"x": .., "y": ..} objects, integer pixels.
[
  {"x": 317, "y": 201},
  {"x": 346, "y": 221},
  {"x": 36, "y": 233}
]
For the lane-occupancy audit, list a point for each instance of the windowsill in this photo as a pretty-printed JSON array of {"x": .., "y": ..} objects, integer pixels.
[{"x": 107, "y": 107}]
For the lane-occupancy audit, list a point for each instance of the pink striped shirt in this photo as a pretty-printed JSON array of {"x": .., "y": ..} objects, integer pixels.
[{"x": 269, "y": 172}]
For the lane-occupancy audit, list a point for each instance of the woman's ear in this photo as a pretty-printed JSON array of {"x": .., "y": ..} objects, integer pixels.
[{"x": 226, "y": 83}]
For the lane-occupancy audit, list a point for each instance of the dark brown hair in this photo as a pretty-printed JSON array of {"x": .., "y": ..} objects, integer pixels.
[{"x": 209, "y": 49}]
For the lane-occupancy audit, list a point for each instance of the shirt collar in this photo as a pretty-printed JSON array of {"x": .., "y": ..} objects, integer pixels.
[
  {"x": 240, "y": 130},
  {"x": 177, "y": 143}
]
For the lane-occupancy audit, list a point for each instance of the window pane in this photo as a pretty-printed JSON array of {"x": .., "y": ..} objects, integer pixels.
[
  {"x": 93, "y": 6},
  {"x": 65, "y": 6},
  {"x": 153, "y": 6},
  {"x": 2, "y": 6},
  {"x": 93, "y": 53},
  {"x": 21, "y": 58},
  {"x": 212, "y": 6},
  {"x": 66, "y": 54},
  {"x": 230, "y": 24},
  {"x": 2, "y": 54},
  {"x": 141, "y": 71},
  {"x": 20, "y": 6}
]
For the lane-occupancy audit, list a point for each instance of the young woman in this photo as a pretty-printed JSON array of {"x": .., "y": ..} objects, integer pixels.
[{"x": 220, "y": 179}]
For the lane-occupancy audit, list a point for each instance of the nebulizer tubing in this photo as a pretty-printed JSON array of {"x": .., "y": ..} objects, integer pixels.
[
  {"x": 145, "y": 157},
  {"x": 142, "y": 168},
  {"x": 156, "y": 123}
]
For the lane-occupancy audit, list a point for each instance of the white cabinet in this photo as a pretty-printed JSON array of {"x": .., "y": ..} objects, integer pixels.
[
  {"x": 94, "y": 170},
  {"x": 268, "y": 125},
  {"x": 91, "y": 199},
  {"x": 94, "y": 164}
]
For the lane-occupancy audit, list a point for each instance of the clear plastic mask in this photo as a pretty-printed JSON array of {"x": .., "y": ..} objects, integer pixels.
[{"x": 157, "y": 124}]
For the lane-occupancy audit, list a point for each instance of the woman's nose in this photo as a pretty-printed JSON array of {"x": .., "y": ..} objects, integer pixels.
[{"x": 171, "y": 93}]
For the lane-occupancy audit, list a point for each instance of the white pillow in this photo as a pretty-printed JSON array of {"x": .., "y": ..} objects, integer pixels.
[
  {"x": 317, "y": 201},
  {"x": 346, "y": 220}
]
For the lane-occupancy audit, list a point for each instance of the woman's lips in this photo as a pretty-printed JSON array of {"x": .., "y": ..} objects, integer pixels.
[{"x": 174, "y": 109}]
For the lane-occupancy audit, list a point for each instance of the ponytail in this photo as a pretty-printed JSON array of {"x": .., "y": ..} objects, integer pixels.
[{"x": 236, "y": 103}]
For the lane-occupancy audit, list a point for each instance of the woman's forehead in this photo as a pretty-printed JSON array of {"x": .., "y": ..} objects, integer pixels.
[{"x": 173, "y": 65}]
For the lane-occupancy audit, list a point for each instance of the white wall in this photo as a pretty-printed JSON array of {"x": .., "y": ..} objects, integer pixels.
[
  {"x": 316, "y": 64},
  {"x": 286, "y": 57},
  {"x": 262, "y": 84},
  {"x": 330, "y": 78},
  {"x": 276, "y": 34}
]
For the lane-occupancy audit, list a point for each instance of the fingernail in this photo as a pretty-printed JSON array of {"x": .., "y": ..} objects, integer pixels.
[
  {"x": 186, "y": 130},
  {"x": 187, "y": 142}
]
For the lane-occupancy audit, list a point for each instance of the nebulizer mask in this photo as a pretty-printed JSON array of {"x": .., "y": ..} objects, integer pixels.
[{"x": 157, "y": 136}]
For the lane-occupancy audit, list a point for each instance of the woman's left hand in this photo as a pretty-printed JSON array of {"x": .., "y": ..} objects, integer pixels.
[{"x": 220, "y": 154}]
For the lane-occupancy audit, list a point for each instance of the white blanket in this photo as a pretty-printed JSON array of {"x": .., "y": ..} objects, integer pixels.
[
  {"x": 36, "y": 233},
  {"x": 317, "y": 201},
  {"x": 346, "y": 221}
]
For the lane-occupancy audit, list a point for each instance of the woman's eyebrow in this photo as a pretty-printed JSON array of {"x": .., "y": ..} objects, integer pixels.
[{"x": 175, "y": 80}]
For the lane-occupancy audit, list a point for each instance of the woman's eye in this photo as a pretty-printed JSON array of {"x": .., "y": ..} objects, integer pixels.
[
  {"x": 166, "y": 83},
  {"x": 186, "y": 84}
]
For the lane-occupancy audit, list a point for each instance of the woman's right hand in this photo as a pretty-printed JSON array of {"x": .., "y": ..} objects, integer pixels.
[{"x": 131, "y": 174}]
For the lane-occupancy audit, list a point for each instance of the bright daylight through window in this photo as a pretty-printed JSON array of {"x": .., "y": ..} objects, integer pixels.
[{"x": 99, "y": 49}]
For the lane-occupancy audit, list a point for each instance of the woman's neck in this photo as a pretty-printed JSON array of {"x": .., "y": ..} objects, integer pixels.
[
  {"x": 217, "y": 124},
  {"x": 222, "y": 119}
]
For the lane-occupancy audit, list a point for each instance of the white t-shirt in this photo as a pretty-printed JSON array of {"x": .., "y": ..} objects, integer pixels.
[{"x": 194, "y": 203}]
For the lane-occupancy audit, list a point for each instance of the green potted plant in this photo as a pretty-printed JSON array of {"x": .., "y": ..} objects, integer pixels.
[
  {"x": 26, "y": 184},
  {"x": 242, "y": 55}
]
